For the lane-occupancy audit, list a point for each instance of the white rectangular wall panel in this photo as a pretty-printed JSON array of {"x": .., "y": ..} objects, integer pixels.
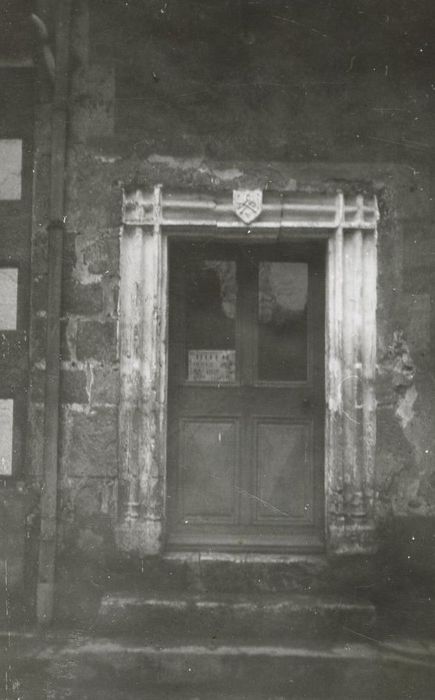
[
  {"x": 11, "y": 157},
  {"x": 6, "y": 436},
  {"x": 8, "y": 298}
]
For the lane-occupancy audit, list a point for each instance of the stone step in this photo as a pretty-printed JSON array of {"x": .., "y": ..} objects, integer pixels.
[
  {"x": 202, "y": 572},
  {"x": 101, "y": 668},
  {"x": 264, "y": 617}
]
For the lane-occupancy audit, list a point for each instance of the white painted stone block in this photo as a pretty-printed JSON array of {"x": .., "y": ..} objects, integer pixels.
[
  {"x": 8, "y": 298},
  {"x": 6, "y": 435},
  {"x": 10, "y": 168}
]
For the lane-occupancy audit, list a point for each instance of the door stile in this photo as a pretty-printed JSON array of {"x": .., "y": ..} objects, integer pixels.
[
  {"x": 177, "y": 326},
  {"x": 246, "y": 319},
  {"x": 247, "y": 267},
  {"x": 315, "y": 388}
]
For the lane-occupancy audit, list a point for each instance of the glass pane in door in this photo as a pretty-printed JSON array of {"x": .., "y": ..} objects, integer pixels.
[
  {"x": 211, "y": 298},
  {"x": 282, "y": 321}
]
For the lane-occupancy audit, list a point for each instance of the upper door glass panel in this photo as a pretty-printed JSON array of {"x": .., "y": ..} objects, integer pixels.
[
  {"x": 211, "y": 299},
  {"x": 282, "y": 321}
]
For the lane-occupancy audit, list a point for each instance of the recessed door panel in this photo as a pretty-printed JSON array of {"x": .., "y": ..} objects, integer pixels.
[
  {"x": 284, "y": 471},
  {"x": 208, "y": 468},
  {"x": 246, "y": 396}
]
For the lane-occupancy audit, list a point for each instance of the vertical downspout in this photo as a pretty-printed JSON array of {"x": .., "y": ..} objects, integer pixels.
[{"x": 48, "y": 536}]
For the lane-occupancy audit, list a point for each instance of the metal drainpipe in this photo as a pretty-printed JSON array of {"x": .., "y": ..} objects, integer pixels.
[
  {"x": 46, "y": 51},
  {"x": 48, "y": 535}
]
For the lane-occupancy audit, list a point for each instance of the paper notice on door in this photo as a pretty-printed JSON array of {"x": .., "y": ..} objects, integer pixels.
[
  {"x": 214, "y": 366},
  {"x": 6, "y": 435}
]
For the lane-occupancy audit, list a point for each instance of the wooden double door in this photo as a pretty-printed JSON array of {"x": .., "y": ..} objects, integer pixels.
[{"x": 246, "y": 396}]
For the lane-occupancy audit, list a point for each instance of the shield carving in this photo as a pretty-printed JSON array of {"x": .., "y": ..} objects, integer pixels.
[{"x": 248, "y": 204}]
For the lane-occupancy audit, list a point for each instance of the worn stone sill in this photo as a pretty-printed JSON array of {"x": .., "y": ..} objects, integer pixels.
[{"x": 196, "y": 557}]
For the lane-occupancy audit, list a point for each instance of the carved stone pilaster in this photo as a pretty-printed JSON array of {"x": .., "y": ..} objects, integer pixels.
[
  {"x": 351, "y": 439},
  {"x": 142, "y": 416}
]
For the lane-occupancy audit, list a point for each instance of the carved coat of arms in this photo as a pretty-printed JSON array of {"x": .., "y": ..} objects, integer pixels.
[{"x": 248, "y": 204}]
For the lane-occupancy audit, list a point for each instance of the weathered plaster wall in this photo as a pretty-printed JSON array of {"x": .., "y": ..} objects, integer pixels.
[
  {"x": 200, "y": 94},
  {"x": 405, "y": 461}
]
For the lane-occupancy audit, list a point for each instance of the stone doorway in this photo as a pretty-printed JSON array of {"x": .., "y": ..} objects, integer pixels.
[{"x": 347, "y": 228}]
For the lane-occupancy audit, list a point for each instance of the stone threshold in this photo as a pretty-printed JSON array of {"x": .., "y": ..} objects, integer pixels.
[{"x": 196, "y": 557}]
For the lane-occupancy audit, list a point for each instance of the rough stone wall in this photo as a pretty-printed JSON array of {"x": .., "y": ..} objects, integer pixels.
[
  {"x": 405, "y": 464},
  {"x": 196, "y": 94}
]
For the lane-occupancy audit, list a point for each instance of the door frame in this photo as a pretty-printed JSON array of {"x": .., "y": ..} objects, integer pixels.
[{"x": 349, "y": 225}]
